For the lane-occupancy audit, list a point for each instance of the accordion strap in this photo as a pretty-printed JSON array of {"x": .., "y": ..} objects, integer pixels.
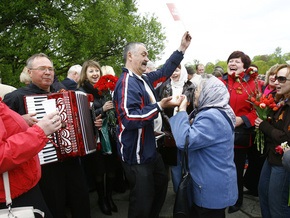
[{"x": 7, "y": 188}]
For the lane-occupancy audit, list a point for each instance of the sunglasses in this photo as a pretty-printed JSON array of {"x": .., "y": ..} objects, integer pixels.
[{"x": 281, "y": 79}]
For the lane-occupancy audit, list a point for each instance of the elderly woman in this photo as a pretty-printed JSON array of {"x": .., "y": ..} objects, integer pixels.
[{"x": 210, "y": 152}]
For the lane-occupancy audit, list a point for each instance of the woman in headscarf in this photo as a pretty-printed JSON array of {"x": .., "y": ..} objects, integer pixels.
[
  {"x": 210, "y": 133},
  {"x": 175, "y": 86}
]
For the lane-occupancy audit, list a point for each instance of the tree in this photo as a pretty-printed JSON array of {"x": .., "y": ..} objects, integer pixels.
[
  {"x": 209, "y": 68},
  {"x": 72, "y": 31}
]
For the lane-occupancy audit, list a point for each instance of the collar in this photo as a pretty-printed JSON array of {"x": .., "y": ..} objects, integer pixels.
[{"x": 39, "y": 90}]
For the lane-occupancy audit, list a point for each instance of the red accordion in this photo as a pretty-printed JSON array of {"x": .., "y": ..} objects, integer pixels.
[{"x": 76, "y": 137}]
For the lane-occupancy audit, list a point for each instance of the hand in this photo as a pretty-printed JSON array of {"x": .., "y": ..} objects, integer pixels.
[
  {"x": 239, "y": 121},
  {"x": 183, "y": 104},
  {"x": 258, "y": 121},
  {"x": 167, "y": 102},
  {"x": 50, "y": 123},
  {"x": 185, "y": 42},
  {"x": 29, "y": 118},
  {"x": 108, "y": 106},
  {"x": 98, "y": 121}
]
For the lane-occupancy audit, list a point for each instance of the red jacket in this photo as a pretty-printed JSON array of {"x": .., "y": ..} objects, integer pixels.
[
  {"x": 19, "y": 145},
  {"x": 240, "y": 90},
  {"x": 239, "y": 96}
]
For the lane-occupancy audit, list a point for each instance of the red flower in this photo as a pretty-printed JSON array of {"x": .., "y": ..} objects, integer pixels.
[
  {"x": 106, "y": 83},
  {"x": 280, "y": 148},
  {"x": 263, "y": 105},
  {"x": 253, "y": 74}
]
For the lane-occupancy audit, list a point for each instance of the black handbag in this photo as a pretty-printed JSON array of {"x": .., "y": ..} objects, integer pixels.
[
  {"x": 183, "y": 198},
  {"x": 167, "y": 147},
  {"x": 244, "y": 136}
]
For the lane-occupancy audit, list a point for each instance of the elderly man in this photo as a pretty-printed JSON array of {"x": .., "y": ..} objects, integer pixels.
[
  {"x": 73, "y": 76},
  {"x": 62, "y": 183},
  {"x": 137, "y": 108}
]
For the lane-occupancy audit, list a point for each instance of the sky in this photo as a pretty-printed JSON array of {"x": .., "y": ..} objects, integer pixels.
[{"x": 219, "y": 27}]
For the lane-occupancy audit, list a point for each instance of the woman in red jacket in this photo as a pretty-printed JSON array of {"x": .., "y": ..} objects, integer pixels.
[
  {"x": 19, "y": 146},
  {"x": 241, "y": 83}
]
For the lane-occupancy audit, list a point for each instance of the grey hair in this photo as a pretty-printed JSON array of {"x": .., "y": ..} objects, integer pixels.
[
  {"x": 131, "y": 47},
  {"x": 33, "y": 57}
]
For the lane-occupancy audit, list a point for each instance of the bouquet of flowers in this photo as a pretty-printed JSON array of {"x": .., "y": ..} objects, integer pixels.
[
  {"x": 106, "y": 86},
  {"x": 263, "y": 105}
]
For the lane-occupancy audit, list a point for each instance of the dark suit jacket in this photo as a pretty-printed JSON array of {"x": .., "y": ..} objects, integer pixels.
[{"x": 69, "y": 84}]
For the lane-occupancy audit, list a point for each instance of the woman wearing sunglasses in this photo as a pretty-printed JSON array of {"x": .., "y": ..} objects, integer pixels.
[{"x": 275, "y": 179}]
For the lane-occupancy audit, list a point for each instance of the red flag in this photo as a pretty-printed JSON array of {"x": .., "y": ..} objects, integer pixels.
[{"x": 173, "y": 11}]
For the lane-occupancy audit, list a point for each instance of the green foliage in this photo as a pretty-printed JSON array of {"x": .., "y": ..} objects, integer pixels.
[
  {"x": 71, "y": 32},
  {"x": 209, "y": 67},
  {"x": 262, "y": 65}
]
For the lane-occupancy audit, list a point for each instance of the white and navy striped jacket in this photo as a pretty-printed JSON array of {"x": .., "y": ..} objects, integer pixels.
[{"x": 136, "y": 113}]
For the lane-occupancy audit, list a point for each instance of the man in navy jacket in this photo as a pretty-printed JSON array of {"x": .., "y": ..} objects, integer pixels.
[
  {"x": 137, "y": 108},
  {"x": 73, "y": 76}
]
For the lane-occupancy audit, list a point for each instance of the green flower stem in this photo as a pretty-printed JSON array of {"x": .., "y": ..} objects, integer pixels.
[
  {"x": 110, "y": 113},
  {"x": 259, "y": 140},
  {"x": 111, "y": 117}
]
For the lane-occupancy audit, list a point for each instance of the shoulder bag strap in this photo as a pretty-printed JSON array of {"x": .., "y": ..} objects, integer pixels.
[
  {"x": 7, "y": 188},
  {"x": 184, "y": 163},
  {"x": 8, "y": 195}
]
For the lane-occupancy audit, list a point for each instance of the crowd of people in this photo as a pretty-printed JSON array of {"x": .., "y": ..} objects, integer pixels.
[{"x": 189, "y": 104}]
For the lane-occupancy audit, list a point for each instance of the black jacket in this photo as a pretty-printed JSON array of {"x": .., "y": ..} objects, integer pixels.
[
  {"x": 15, "y": 99},
  {"x": 276, "y": 132}
]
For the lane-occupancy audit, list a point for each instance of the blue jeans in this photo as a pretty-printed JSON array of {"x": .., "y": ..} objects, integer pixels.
[{"x": 274, "y": 191}]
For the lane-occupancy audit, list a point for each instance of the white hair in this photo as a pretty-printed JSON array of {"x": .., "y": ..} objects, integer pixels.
[{"x": 75, "y": 68}]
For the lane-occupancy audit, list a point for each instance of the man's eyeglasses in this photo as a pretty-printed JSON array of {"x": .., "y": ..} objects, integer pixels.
[
  {"x": 281, "y": 79},
  {"x": 43, "y": 69}
]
